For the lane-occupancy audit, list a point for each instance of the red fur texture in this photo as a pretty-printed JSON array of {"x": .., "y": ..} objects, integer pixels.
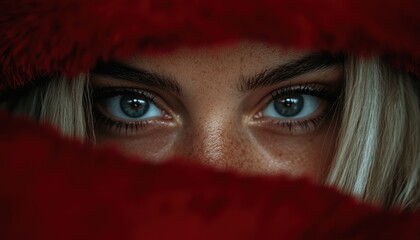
[
  {"x": 44, "y": 37},
  {"x": 53, "y": 188}
]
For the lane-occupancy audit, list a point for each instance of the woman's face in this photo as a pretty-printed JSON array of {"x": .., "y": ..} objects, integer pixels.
[{"x": 249, "y": 107}]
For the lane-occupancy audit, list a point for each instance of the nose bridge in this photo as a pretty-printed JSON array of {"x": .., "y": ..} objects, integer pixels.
[
  {"x": 215, "y": 141},
  {"x": 212, "y": 130}
]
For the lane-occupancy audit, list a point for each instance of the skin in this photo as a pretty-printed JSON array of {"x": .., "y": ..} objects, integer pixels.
[{"x": 213, "y": 122}]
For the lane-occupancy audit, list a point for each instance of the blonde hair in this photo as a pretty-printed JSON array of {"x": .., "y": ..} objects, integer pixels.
[
  {"x": 62, "y": 102},
  {"x": 377, "y": 155}
]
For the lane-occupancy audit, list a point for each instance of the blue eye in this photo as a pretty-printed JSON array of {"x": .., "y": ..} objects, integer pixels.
[
  {"x": 292, "y": 106},
  {"x": 131, "y": 107}
]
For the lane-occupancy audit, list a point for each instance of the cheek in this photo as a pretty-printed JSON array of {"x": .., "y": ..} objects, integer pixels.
[
  {"x": 263, "y": 153},
  {"x": 249, "y": 151},
  {"x": 309, "y": 156}
]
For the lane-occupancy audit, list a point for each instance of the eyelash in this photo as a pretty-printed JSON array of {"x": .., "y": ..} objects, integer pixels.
[
  {"x": 125, "y": 128},
  {"x": 323, "y": 92},
  {"x": 128, "y": 128}
]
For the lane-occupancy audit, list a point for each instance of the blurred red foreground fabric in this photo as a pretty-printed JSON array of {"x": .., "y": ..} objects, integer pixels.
[{"x": 54, "y": 188}]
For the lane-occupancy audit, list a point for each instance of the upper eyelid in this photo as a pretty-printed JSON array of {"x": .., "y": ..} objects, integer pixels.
[
  {"x": 314, "y": 89},
  {"x": 114, "y": 91}
]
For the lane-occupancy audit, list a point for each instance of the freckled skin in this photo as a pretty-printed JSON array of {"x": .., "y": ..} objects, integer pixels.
[{"x": 213, "y": 121}]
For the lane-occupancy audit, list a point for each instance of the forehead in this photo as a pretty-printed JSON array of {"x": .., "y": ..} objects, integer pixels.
[{"x": 219, "y": 63}]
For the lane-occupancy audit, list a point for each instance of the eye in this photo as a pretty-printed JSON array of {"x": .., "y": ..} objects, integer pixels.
[
  {"x": 128, "y": 111},
  {"x": 292, "y": 106},
  {"x": 131, "y": 107},
  {"x": 298, "y": 109}
]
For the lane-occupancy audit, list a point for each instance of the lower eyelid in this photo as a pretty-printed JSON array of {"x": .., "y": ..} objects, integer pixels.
[
  {"x": 116, "y": 128},
  {"x": 291, "y": 126},
  {"x": 294, "y": 126}
]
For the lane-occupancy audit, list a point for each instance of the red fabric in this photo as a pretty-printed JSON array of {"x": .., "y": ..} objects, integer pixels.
[
  {"x": 39, "y": 37},
  {"x": 53, "y": 188}
]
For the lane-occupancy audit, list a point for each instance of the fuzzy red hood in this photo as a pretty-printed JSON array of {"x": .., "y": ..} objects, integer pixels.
[
  {"x": 47, "y": 37},
  {"x": 54, "y": 188}
]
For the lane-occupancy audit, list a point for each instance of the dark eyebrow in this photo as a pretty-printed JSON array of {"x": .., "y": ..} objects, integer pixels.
[
  {"x": 122, "y": 71},
  {"x": 312, "y": 62}
]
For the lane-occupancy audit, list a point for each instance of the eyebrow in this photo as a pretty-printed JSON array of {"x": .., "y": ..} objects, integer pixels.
[
  {"x": 309, "y": 63},
  {"x": 272, "y": 76},
  {"x": 120, "y": 70}
]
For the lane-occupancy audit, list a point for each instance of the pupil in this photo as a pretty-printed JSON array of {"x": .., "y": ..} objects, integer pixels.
[
  {"x": 133, "y": 106},
  {"x": 289, "y": 106}
]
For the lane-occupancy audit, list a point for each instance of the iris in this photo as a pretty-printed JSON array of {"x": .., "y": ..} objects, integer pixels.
[
  {"x": 289, "y": 106},
  {"x": 133, "y": 106}
]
